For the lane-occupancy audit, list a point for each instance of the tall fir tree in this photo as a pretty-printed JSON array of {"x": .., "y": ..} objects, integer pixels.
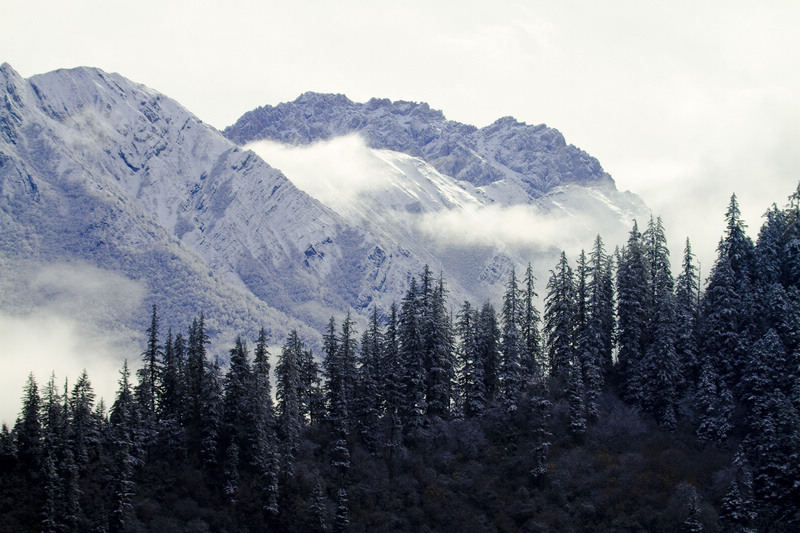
[
  {"x": 487, "y": 340},
  {"x": 438, "y": 342},
  {"x": 473, "y": 383},
  {"x": 512, "y": 375},
  {"x": 412, "y": 355},
  {"x": 237, "y": 401},
  {"x": 28, "y": 428},
  {"x": 367, "y": 399},
  {"x": 687, "y": 298},
  {"x": 84, "y": 425},
  {"x": 288, "y": 385},
  {"x": 125, "y": 422},
  {"x": 149, "y": 373},
  {"x": 532, "y": 364},
  {"x": 633, "y": 293},
  {"x": 560, "y": 318},
  {"x": 727, "y": 307},
  {"x": 263, "y": 440},
  {"x": 212, "y": 412},
  {"x": 658, "y": 375}
]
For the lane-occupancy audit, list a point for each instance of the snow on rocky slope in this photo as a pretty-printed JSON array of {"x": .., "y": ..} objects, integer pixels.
[
  {"x": 95, "y": 169},
  {"x": 98, "y": 172},
  {"x": 480, "y": 200}
]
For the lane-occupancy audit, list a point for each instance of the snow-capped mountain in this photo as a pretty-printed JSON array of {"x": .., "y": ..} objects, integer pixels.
[
  {"x": 100, "y": 174},
  {"x": 534, "y": 158},
  {"x": 479, "y": 200}
]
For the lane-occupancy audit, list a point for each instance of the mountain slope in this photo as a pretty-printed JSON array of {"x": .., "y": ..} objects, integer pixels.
[
  {"x": 98, "y": 169},
  {"x": 100, "y": 174},
  {"x": 480, "y": 200},
  {"x": 535, "y": 157}
]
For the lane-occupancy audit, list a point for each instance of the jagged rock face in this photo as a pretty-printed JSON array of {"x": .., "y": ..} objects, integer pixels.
[
  {"x": 537, "y": 157},
  {"x": 97, "y": 170}
]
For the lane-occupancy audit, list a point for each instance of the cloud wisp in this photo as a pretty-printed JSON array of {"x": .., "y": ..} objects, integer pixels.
[
  {"x": 69, "y": 321},
  {"x": 518, "y": 227},
  {"x": 334, "y": 172}
]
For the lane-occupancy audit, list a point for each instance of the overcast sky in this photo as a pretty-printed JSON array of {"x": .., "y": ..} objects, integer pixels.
[{"x": 682, "y": 102}]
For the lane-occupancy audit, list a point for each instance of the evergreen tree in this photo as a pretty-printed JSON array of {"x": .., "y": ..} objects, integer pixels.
[
  {"x": 560, "y": 319},
  {"x": 340, "y": 370},
  {"x": 126, "y": 438},
  {"x": 764, "y": 369},
  {"x": 124, "y": 416},
  {"x": 412, "y": 355},
  {"x": 367, "y": 399},
  {"x": 692, "y": 524},
  {"x": 149, "y": 373},
  {"x": 575, "y": 394},
  {"x": 237, "y": 402},
  {"x": 687, "y": 288},
  {"x": 438, "y": 342},
  {"x": 773, "y": 447},
  {"x": 390, "y": 386},
  {"x": 658, "y": 375},
  {"x": 171, "y": 393},
  {"x": 331, "y": 368},
  {"x": 51, "y": 484},
  {"x": 633, "y": 291},
  {"x": 288, "y": 386},
  {"x": 581, "y": 294},
  {"x": 342, "y": 521},
  {"x": 487, "y": 342},
  {"x": 261, "y": 415},
  {"x": 70, "y": 474},
  {"x": 532, "y": 353},
  {"x": 212, "y": 412},
  {"x": 231, "y": 482},
  {"x": 312, "y": 395},
  {"x": 726, "y": 326},
  {"x": 600, "y": 307},
  {"x": 473, "y": 383},
  {"x": 317, "y": 510},
  {"x": 28, "y": 428},
  {"x": 8, "y": 448},
  {"x": 512, "y": 378},
  {"x": 84, "y": 426},
  {"x": 195, "y": 378},
  {"x": 737, "y": 512},
  {"x": 53, "y": 419},
  {"x": 715, "y": 406}
]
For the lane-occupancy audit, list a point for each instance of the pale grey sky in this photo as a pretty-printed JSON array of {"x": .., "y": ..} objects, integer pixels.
[{"x": 682, "y": 102}]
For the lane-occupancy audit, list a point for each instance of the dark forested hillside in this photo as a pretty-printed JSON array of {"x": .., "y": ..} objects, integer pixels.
[{"x": 640, "y": 400}]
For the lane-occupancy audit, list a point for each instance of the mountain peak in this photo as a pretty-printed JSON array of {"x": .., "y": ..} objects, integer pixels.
[
  {"x": 537, "y": 157},
  {"x": 314, "y": 98}
]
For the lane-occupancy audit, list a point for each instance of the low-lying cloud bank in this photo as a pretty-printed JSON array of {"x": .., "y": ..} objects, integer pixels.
[
  {"x": 521, "y": 226},
  {"x": 524, "y": 228},
  {"x": 333, "y": 172},
  {"x": 63, "y": 318},
  {"x": 46, "y": 343}
]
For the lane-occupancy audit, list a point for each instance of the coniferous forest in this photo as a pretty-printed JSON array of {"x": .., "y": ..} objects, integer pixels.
[{"x": 640, "y": 399}]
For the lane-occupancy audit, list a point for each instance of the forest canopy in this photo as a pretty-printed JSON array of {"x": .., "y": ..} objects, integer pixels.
[{"x": 638, "y": 398}]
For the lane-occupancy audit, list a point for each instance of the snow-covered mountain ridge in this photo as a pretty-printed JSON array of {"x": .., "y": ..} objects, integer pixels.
[
  {"x": 537, "y": 158},
  {"x": 96, "y": 170}
]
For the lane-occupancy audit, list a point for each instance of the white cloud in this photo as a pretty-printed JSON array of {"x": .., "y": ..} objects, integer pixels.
[
  {"x": 334, "y": 172},
  {"x": 514, "y": 227},
  {"x": 45, "y": 343},
  {"x": 682, "y": 102},
  {"x": 64, "y": 318}
]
